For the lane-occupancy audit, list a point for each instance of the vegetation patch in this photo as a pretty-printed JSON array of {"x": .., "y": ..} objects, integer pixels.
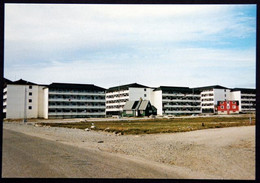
[{"x": 151, "y": 126}]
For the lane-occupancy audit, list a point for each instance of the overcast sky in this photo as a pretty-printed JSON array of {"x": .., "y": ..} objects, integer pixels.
[{"x": 110, "y": 45}]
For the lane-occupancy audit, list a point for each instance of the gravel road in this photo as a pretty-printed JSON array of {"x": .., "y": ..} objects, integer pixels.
[{"x": 224, "y": 153}]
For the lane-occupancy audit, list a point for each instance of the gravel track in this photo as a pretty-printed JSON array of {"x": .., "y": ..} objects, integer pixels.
[{"x": 223, "y": 153}]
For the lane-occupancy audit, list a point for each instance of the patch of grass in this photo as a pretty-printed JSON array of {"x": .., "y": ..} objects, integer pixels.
[{"x": 151, "y": 126}]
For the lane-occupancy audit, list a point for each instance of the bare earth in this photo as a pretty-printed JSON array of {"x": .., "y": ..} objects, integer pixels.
[{"x": 224, "y": 153}]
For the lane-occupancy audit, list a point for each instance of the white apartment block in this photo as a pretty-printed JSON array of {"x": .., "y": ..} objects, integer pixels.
[
  {"x": 116, "y": 97},
  {"x": 22, "y": 99},
  {"x": 176, "y": 100},
  {"x": 210, "y": 96},
  {"x": 74, "y": 101},
  {"x": 246, "y": 98}
]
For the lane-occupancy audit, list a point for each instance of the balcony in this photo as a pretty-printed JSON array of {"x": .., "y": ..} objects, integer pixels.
[
  {"x": 75, "y": 113},
  {"x": 75, "y": 93},
  {"x": 75, "y": 100},
  {"x": 75, "y": 107}
]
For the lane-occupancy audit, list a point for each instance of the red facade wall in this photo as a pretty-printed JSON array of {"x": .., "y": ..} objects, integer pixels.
[{"x": 228, "y": 106}]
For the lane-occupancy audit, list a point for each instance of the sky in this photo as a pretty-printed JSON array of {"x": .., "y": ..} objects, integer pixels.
[{"x": 111, "y": 45}]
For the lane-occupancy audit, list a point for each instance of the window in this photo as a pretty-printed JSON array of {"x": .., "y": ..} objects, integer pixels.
[
  {"x": 30, "y": 107},
  {"x": 144, "y": 95},
  {"x": 145, "y": 89},
  {"x": 234, "y": 107},
  {"x": 30, "y": 87},
  {"x": 30, "y": 93},
  {"x": 30, "y": 100}
]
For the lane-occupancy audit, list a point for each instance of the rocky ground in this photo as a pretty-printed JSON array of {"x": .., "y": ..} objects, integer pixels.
[{"x": 223, "y": 153}]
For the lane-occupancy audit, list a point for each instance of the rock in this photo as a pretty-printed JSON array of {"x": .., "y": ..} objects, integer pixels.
[
  {"x": 101, "y": 141},
  {"x": 87, "y": 129}
]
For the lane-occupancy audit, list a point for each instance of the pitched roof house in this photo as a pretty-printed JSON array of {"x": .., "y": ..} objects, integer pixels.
[{"x": 139, "y": 108}]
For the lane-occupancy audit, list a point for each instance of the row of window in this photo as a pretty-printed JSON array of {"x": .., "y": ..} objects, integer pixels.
[
  {"x": 116, "y": 101},
  {"x": 114, "y": 106},
  {"x": 228, "y": 107},
  {"x": 118, "y": 95},
  {"x": 207, "y": 95},
  {"x": 69, "y": 97},
  {"x": 183, "y": 103},
  {"x": 76, "y": 104},
  {"x": 207, "y": 100},
  {"x": 180, "y": 98},
  {"x": 76, "y": 111},
  {"x": 75, "y": 91}
]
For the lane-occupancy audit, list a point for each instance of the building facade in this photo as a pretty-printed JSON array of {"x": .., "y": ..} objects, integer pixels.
[
  {"x": 176, "y": 100},
  {"x": 210, "y": 95},
  {"x": 22, "y": 99},
  {"x": 228, "y": 107},
  {"x": 116, "y": 97},
  {"x": 64, "y": 100}
]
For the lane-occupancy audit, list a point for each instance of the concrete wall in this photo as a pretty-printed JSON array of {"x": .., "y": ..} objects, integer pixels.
[
  {"x": 45, "y": 102},
  {"x": 136, "y": 93},
  {"x": 20, "y": 104},
  {"x": 40, "y": 101},
  {"x": 236, "y": 95},
  {"x": 220, "y": 95},
  {"x": 156, "y": 101}
]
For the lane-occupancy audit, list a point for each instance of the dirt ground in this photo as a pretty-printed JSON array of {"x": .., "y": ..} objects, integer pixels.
[{"x": 223, "y": 153}]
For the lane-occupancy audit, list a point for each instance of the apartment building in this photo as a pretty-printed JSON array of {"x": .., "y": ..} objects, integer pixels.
[
  {"x": 246, "y": 98},
  {"x": 116, "y": 97},
  {"x": 22, "y": 99},
  {"x": 66, "y": 100},
  {"x": 210, "y": 95},
  {"x": 171, "y": 100}
]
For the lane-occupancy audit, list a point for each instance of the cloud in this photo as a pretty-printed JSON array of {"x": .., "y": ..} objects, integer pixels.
[{"x": 109, "y": 44}]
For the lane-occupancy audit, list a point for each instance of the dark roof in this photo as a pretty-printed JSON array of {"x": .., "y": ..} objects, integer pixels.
[
  {"x": 170, "y": 88},
  {"x": 75, "y": 86},
  {"x": 176, "y": 89},
  {"x": 126, "y": 87},
  {"x": 211, "y": 87},
  {"x": 245, "y": 90},
  {"x": 22, "y": 82},
  {"x": 6, "y": 81},
  {"x": 136, "y": 105}
]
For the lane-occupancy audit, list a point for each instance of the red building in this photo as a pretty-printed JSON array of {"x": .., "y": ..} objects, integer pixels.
[{"x": 228, "y": 107}]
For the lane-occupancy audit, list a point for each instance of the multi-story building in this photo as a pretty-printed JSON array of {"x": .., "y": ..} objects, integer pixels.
[
  {"x": 210, "y": 95},
  {"x": 116, "y": 97},
  {"x": 22, "y": 99},
  {"x": 246, "y": 98},
  {"x": 64, "y": 100},
  {"x": 176, "y": 100}
]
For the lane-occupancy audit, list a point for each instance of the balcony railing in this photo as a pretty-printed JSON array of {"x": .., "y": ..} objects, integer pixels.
[{"x": 75, "y": 93}]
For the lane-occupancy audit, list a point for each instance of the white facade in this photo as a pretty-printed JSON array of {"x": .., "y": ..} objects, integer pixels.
[
  {"x": 210, "y": 98},
  {"x": 22, "y": 101},
  {"x": 117, "y": 97}
]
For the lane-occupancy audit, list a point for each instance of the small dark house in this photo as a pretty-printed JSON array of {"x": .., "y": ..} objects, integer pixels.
[{"x": 139, "y": 108}]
